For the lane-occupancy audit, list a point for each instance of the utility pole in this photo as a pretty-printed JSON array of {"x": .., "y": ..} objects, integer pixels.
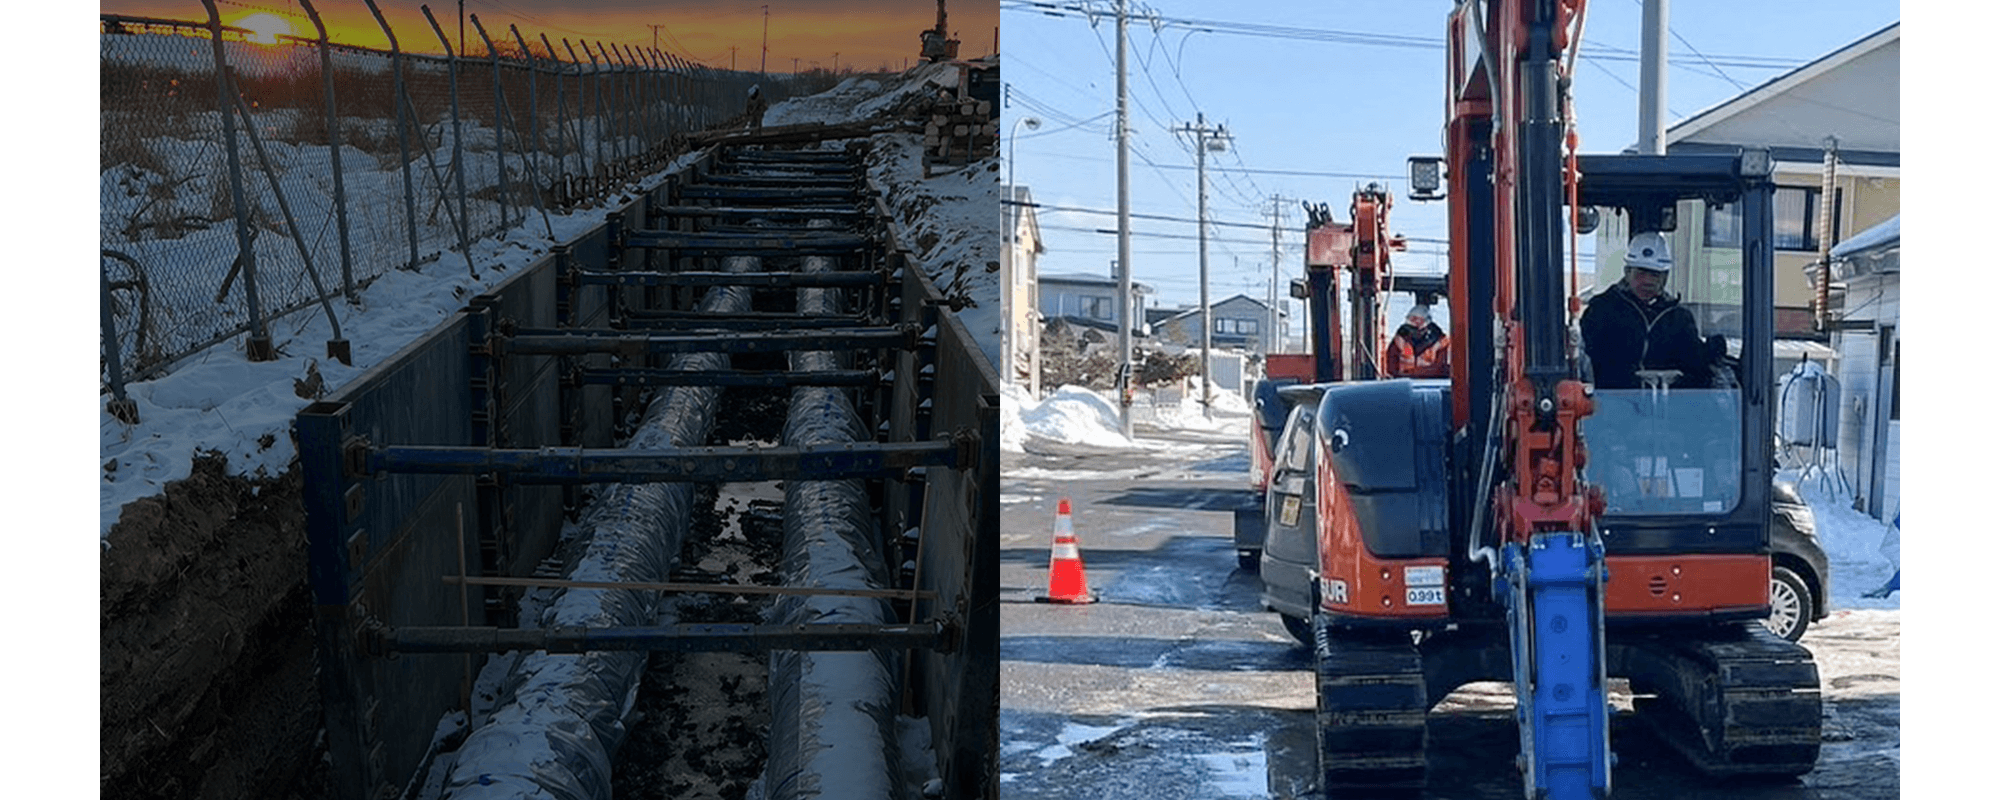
[
  {"x": 656, "y": 35},
  {"x": 1205, "y": 139},
  {"x": 1125, "y": 314},
  {"x": 732, "y": 58},
  {"x": 836, "y": 62},
  {"x": 1271, "y": 346},
  {"x": 767, "y": 42},
  {"x": 1653, "y": 78}
]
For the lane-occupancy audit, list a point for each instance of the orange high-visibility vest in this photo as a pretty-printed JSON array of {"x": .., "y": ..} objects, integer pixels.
[{"x": 1434, "y": 362}]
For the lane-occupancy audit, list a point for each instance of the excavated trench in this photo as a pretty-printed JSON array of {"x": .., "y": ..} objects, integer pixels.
[{"x": 787, "y": 724}]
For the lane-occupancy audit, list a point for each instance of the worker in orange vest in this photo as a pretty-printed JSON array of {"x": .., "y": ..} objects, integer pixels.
[{"x": 1420, "y": 348}]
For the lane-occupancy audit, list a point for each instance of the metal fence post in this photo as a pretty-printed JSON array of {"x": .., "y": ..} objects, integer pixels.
[
  {"x": 534, "y": 103},
  {"x": 597, "y": 109},
  {"x": 499, "y": 129},
  {"x": 562, "y": 116},
  {"x": 505, "y": 123},
  {"x": 258, "y": 347},
  {"x": 333, "y": 145},
  {"x": 336, "y": 347},
  {"x": 121, "y": 406},
  {"x": 457, "y": 142},
  {"x": 610, "y": 124},
  {"x": 403, "y": 113}
]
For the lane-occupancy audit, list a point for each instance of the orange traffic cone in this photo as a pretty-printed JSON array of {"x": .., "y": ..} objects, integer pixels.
[{"x": 1066, "y": 581}]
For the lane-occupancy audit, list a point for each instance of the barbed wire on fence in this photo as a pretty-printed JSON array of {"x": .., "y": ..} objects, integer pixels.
[{"x": 537, "y": 130}]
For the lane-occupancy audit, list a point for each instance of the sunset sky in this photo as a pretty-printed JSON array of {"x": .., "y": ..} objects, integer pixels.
[{"x": 866, "y": 34}]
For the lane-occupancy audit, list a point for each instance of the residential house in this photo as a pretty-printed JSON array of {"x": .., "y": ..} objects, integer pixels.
[
  {"x": 1021, "y": 344},
  {"x": 1870, "y": 343},
  {"x": 1084, "y": 299},
  {"x": 1844, "y": 105},
  {"x": 1237, "y": 323}
]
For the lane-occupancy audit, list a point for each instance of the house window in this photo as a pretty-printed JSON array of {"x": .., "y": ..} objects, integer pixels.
[
  {"x": 1243, "y": 327},
  {"x": 1097, "y": 307},
  {"x": 1796, "y": 223}
]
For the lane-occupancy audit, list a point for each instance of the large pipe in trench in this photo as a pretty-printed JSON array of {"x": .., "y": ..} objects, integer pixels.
[
  {"x": 833, "y": 714},
  {"x": 561, "y": 718}
]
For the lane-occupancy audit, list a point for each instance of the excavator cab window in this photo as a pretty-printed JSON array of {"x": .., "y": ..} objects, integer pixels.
[{"x": 1664, "y": 442}]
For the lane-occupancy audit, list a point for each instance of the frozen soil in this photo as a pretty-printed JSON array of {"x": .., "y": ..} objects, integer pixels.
[{"x": 206, "y": 651}]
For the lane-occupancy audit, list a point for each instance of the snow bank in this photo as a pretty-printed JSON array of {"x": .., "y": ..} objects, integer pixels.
[
  {"x": 1862, "y": 551},
  {"x": 1076, "y": 415}
]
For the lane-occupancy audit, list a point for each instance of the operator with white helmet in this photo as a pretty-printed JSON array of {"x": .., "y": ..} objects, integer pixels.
[{"x": 1637, "y": 325}]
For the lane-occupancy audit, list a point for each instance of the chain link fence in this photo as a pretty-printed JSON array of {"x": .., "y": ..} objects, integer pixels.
[{"x": 351, "y": 161}]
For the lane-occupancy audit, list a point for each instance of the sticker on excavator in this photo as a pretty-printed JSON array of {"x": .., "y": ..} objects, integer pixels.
[
  {"x": 1424, "y": 595},
  {"x": 1289, "y": 514},
  {"x": 1423, "y": 576}
]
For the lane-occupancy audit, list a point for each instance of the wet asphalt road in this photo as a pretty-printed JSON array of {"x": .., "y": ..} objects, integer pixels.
[{"x": 1178, "y": 685}]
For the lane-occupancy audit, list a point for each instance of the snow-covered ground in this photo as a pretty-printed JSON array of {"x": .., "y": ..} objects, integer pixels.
[
  {"x": 218, "y": 401},
  {"x": 1080, "y": 419}
]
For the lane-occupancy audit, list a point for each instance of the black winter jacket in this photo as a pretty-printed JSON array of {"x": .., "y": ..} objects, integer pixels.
[{"x": 1623, "y": 335}]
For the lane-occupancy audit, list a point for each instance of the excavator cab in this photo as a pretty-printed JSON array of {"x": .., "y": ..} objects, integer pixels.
[{"x": 1683, "y": 461}]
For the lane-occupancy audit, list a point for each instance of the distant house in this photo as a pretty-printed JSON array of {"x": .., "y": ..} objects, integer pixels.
[
  {"x": 1021, "y": 347},
  {"x": 1088, "y": 300},
  {"x": 1869, "y": 340},
  {"x": 1237, "y": 323},
  {"x": 1846, "y": 103}
]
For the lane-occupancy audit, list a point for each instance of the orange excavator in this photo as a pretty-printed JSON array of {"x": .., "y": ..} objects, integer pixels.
[{"x": 1519, "y": 523}]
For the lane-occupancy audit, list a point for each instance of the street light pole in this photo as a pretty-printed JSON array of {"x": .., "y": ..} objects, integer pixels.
[{"x": 1007, "y": 217}]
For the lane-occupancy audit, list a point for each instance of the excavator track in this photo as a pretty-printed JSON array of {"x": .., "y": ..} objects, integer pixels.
[
  {"x": 1372, "y": 704},
  {"x": 1740, "y": 702}
]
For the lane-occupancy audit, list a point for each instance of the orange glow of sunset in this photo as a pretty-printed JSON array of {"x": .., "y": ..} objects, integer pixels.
[{"x": 264, "y": 28}]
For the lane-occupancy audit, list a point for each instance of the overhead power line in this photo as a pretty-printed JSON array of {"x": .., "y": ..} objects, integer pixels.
[{"x": 1294, "y": 33}]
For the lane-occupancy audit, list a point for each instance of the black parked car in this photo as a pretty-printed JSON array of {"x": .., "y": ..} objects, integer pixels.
[{"x": 1800, "y": 578}]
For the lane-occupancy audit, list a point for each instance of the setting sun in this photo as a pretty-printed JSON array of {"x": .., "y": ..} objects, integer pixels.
[{"x": 265, "y": 28}]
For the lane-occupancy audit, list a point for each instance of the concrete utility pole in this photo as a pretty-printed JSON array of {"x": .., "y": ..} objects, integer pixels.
[
  {"x": 767, "y": 41},
  {"x": 1274, "y": 341},
  {"x": 1205, "y": 139},
  {"x": 1653, "y": 78},
  {"x": 1125, "y": 314}
]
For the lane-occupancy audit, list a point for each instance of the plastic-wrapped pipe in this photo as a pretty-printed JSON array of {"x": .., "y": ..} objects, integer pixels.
[
  {"x": 561, "y": 718},
  {"x": 833, "y": 715}
]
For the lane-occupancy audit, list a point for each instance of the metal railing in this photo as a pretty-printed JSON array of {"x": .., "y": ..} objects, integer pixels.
[{"x": 350, "y": 161}]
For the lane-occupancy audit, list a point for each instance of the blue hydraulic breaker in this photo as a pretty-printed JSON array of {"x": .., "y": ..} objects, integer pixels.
[{"x": 1555, "y": 611}]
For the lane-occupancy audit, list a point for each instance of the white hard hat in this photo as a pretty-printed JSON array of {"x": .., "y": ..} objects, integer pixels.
[
  {"x": 1421, "y": 311},
  {"x": 1649, "y": 251}
]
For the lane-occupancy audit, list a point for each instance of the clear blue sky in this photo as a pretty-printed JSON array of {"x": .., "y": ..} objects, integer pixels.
[{"x": 1354, "y": 96}]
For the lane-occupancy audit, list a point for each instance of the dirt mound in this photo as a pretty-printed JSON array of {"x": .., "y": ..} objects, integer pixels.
[{"x": 206, "y": 677}]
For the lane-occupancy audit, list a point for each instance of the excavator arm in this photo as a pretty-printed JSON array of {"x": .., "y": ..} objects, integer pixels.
[{"x": 1542, "y": 546}]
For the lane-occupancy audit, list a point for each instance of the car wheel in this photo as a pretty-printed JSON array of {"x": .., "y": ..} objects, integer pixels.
[
  {"x": 1791, "y": 604},
  {"x": 1300, "y": 629}
]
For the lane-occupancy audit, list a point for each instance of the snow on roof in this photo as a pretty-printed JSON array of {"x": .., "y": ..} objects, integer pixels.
[
  {"x": 1888, "y": 233},
  {"x": 1878, "y": 250}
]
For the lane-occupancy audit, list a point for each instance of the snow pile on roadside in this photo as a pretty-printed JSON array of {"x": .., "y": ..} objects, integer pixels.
[
  {"x": 1013, "y": 429},
  {"x": 1075, "y": 415},
  {"x": 1854, "y": 549},
  {"x": 1230, "y": 414}
]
